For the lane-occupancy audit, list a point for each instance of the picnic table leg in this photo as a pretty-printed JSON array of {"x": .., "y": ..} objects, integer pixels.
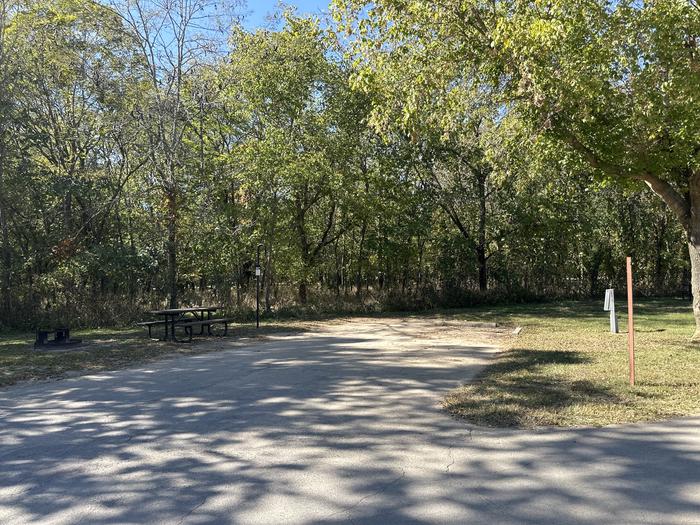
[
  {"x": 201, "y": 318},
  {"x": 209, "y": 325},
  {"x": 163, "y": 337},
  {"x": 175, "y": 318}
]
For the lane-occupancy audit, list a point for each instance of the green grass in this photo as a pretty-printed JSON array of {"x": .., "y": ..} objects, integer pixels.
[
  {"x": 566, "y": 369},
  {"x": 108, "y": 349}
]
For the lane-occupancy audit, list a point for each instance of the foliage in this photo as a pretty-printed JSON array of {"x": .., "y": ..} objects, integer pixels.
[
  {"x": 410, "y": 165},
  {"x": 613, "y": 82}
]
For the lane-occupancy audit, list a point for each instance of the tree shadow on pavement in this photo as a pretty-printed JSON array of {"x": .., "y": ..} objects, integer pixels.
[{"x": 320, "y": 429}]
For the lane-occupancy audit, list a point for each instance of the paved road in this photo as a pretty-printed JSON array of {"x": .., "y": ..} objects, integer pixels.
[{"x": 341, "y": 426}]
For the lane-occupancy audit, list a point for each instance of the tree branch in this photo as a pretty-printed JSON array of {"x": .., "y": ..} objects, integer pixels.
[{"x": 673, "y": 199}]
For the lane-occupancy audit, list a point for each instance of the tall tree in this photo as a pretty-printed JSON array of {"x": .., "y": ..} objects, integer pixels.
[
  {"x": 175, "y": 38},
  {"x": 77, "y": 71},
  {"x": 296, "y": 142},
  {"x": 614, "y": 82},
  {"x": 73, "y": 62},
  {"x": 7, "y": 82}
]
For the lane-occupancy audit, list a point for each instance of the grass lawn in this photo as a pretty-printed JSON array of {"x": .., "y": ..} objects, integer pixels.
[
  {"x": 566, "y": 369},
  {"x": 110, "y": 349}
]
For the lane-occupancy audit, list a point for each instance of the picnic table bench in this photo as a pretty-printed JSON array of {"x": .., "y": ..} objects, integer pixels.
[
  {"x": 188, "y": 318},
  {"x": 189, "y": 325},
  {"x": 150, "y": 325}
]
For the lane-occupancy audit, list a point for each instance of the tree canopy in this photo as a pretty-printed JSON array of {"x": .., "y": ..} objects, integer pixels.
[
  {"x": 614, "y": 83},
  {"x": 406, "y": 155}
]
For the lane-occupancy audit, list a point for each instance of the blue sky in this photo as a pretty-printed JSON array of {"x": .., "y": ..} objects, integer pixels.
[{"x": 257, "y": 10}]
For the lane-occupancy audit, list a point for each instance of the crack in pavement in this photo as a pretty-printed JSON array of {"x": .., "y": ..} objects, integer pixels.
[
  {"x": 193, "y": 510},
  {"x": 452, "y": 458},
  {"x": 355, "y": 505}
]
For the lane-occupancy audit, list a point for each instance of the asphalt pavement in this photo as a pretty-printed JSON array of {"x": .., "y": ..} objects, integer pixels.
[{"x": 342, "y": 425}]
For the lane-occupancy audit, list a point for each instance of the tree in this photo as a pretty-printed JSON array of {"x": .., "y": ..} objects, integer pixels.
[
  {"x": 454, "y": 139},
  {"x": 73, "y": 66},
  {"x": 615, "y": 83},
  {"x": 142, "y": 159},
  {"x": 75, "y": 72},
  {"x": 293, "y": 149},
  {"x": 175, "y": 39},
  {"x": 7, "y": 84},
  {"x": 456, "y": 165}
]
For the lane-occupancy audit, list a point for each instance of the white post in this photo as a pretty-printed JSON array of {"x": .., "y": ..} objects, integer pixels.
[{"x": 610, "y": 307}]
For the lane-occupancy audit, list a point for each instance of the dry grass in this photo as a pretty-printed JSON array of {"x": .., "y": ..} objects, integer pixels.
[
  {"x": 110, "y": 349},
  {"x": 566, "y": 369}
]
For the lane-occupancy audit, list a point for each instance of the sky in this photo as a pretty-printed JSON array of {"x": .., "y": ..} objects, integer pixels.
[{"x": 257, "y": 10}]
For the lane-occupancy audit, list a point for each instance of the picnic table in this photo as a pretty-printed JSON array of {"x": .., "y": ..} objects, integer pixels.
[{"x": 174, "y": 316}]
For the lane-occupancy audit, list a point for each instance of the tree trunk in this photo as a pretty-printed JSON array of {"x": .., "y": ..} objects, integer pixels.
[
  {"x": 694, "y": 250},
  {"x": 594, "y": 272},
  {"x": 360, "y": 257},
  {"x": 686, "y": 208},
  {"x": 303, "y": 291},
  {"x": 6, "y": 250},
  {"x": 693, "y": 229},
  {"x": 482, "y": 262},
  {"x": 304, "y": 248},
  {"x": 172, "y": 248},
  {"x": 481, "y": 257},
  {"x": 338, "y": 279},
  {"x": 239, "y": 285},
  {"x": 268, "y": 277}
]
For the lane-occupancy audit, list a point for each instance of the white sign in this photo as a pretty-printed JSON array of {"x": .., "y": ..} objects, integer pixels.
[
  {"x": 257, "y": 271},
  {"x": 609, "y": 306},
  {"x": 609, "y": 300}
]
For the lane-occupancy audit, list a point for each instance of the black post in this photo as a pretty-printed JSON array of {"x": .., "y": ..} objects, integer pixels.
[{"x": 258, "y": 273}]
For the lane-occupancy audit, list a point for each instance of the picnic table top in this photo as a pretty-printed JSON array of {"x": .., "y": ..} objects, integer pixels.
[{"x": 175, "y": 311}]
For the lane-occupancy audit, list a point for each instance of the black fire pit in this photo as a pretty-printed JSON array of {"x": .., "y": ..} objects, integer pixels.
[{"x": 61, "y": 337}]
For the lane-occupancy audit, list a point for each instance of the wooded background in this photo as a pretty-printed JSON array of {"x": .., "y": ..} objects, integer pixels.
[{"x": 147, "y": 149}]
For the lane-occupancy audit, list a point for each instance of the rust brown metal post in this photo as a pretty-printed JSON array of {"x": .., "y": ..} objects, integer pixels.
[
  {"x": 258, "y": 274},
  {"x": 630, "y": 320}
]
